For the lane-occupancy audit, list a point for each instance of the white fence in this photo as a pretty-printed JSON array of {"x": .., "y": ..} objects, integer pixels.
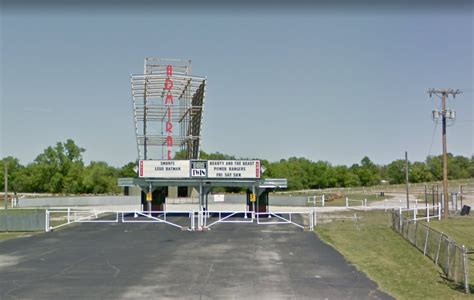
[
  {"x": 56, "y": 218},
  {"x": 315, "y": 200},
  {"x": 184, "y": 220},
  {"x": 430, "y": 212}
]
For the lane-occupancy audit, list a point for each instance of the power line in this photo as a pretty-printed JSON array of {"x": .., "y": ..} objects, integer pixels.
[{"x": 432, "y": 138}]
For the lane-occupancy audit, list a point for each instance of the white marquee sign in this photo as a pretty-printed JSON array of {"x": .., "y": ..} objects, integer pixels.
[
  {"x": 164, "y": 168},
  {"x": 233, "y": 169}
]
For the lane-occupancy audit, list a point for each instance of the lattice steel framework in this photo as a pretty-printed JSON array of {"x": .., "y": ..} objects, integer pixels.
[{"x": 153, "y": 113}]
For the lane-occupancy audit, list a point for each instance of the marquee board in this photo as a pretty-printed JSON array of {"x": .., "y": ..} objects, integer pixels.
[
  {"x": 164, "y": 168},
  {"x": 226, "y": 169},
  {"x": 233, "y": 169}
]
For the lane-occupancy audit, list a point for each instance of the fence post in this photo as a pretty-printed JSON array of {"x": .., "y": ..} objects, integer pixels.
[
  {"x": 323, "y": 199},
  {"x": 347, "y": 202},
  {"x": 315, "y": 222},
  {"x": 447, "y": 260},
  {"x": 439, "y": 210},
  {"x": 68, "y": 215},
  {"x": 416, "y": 233},
  {"x": 365, "y": 202},
  {"x": 428, "y": 212},
  {"x": 426, "y": 240},
  {"x": 439, "y": 248},
  {"x": 465, "y": 270},
  {"x": 400, "y": 219},
  {"x": 46, "y": 222}
]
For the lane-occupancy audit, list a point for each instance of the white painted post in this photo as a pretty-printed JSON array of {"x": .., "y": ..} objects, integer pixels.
[
  {"x": 400, "y": 208},
  {"x": 428, "y": 212},
  {"x": 465, "y": 270},
  {"x": 46, "y": 222},
  {"x": 414, "y": 213},
  {"x": 323, "y": 199},
  {"x": 199, "y": 219},
  {"x": 245, "y": 215},
  {"x": 439, "y": 211},
  {"x": 68, "y": 215},
  {"x": 365, "y": 202},
  {"x": 347, "y": 202}
]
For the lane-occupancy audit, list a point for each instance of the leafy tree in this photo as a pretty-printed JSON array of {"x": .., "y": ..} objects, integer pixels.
[
  {"x": 396, "y": 171},
  {"x": 419, "y": 172},
  {"x": 100, "y": 178},
  {"x": 14, "y": 172},
  {"x": 435, "y": 165},
  {"x": 60, "y": 169},
  {"x": 128, "y": 170}
]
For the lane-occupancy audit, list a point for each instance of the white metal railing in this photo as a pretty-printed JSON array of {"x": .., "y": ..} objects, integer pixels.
[
  {"x": 79, "y": 216},
  {"x": 157, "y": 217},
  {"x": 286, "y": 217},
  {"x": 363, "y": 203},
  {"x": 227, "y": 217},
  {"x": 413, "y": 212},
  {"x": 317, "y": 200},
  {"x": 69, "y": 216}
]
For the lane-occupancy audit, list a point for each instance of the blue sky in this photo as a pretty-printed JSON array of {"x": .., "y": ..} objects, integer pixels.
[{"x": 331, "y": 85}]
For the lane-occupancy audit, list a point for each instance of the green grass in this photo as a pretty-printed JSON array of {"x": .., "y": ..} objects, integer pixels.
[
  {"x": 398, "y": 267},
  {"x": 459, "y": 229},
  {"x": 11, "y": 235},
  {"x": 19, "y": 211}
]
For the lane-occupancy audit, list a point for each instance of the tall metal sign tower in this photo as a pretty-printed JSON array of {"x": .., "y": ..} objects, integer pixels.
[{"x": 168, "y": 107}]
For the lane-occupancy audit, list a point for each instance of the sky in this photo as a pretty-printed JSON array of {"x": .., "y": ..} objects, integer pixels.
[{"x": 331, "y": 83}]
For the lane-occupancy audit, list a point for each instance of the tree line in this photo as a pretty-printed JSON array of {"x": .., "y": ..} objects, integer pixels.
[
  {"x": 60, "y": 169},
  {"x": 305, "y": 174}
]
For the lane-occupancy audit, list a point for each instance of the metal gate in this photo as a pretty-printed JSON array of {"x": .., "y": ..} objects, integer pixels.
[
  {"x": 56, "y": 218},
  {"x": 301, "y": 219},
  {"x": 184, "y": 220}
]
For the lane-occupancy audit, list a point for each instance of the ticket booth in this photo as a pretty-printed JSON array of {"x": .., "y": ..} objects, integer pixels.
[
  {"x": 158, "y": 198},
  {"x": 258, "y": 204}
]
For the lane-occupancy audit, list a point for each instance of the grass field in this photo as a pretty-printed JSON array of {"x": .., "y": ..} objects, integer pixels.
[
  {"x": 11, "y": 235},
  {"x": 19, "y": 211},
  {"x": 398, "y": 267},
  {"x": 461, "y": 230}
]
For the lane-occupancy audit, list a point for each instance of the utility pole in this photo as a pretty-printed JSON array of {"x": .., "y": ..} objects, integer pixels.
[
  {"x": 406, "y": 179},
  {"x": 445, "y": 114}
]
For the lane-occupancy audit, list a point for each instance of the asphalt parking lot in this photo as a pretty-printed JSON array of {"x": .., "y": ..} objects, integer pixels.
[{"x": 157, "y": 261}]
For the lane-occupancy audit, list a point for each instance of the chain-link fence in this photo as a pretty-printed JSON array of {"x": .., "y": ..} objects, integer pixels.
[{"x": 451, "y": 257}]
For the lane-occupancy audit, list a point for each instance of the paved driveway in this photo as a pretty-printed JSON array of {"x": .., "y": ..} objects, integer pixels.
[{"x": 97, "y": 261}]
